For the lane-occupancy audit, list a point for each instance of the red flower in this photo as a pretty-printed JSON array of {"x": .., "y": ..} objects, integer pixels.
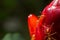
[
  {"x": 34, "y": 24},
  {"x": 51, "y": 15}
]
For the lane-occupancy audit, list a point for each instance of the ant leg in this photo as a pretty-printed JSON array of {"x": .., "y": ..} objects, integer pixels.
[
  {"x": 53, "y": 33},
  {"x": 53, "y": 38}
]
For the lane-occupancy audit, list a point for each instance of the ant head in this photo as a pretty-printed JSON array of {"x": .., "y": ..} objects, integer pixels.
[{"x": 48, "y": 28}]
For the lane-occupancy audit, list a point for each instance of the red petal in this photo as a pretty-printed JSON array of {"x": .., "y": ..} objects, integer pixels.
[
  {"x": 39, "y": 30},
  {"x": 32, "y": 21}
]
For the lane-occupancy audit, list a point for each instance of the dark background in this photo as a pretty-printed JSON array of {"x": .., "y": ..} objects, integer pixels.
[{"x": 21, "y": 9}]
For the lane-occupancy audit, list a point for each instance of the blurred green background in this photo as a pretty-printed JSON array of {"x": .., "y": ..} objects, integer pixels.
[{"x": 21, "y": 9}]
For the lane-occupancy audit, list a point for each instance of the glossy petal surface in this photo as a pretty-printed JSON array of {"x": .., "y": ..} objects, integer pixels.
[{"x": 52, "y": 13}]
